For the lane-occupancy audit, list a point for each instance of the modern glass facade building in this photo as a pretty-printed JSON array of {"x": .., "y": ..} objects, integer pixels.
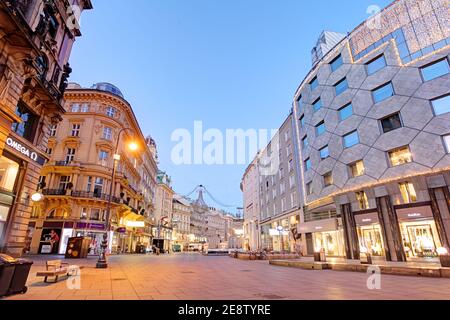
[{"x": 374, "y": 157}]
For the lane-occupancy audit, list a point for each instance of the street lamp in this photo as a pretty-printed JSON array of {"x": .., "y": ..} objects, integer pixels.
[
  {"x": 280, "y": 230},
  {"x": 133, "y": 146}
]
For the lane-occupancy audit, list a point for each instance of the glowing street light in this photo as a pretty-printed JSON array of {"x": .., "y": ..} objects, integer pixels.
[
  {"x": 132, "y": 146},
  {"x": 37, "y": 197}
]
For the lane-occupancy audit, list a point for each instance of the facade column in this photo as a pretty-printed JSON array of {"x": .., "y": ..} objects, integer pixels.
[
  {"x": 383, "y": 230},
  {"x": 395, "y": 230},
  {"x": 438, "y": 219},
  {"x": 347, "y": 241},
  {"x": 75, "y": 181}
]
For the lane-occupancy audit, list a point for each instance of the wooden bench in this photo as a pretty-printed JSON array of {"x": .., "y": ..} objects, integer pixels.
[{"x": 54, "y": 268}]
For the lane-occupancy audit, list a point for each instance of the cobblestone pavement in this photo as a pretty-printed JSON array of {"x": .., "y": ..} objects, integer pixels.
[{"x": 195, "y": 277}]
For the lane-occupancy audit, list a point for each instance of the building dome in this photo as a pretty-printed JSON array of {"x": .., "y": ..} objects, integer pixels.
[
  {"x": 108, "y": 87},
  {"x": 73, "y": 85}
]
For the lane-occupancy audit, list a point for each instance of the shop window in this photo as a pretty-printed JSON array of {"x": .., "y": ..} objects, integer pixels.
[
  {"x": 324, "y": 153},
  {"x": 435, "y": 70},
  {"x": 357, "y": 169},
  {"x": 345, "y": 112},
  {"x": 76, "y": 130},
  {"x": 64, "y": 182},
  {"x": 27, "y": 128},
  {"x": 341, "y": 86},
  {"x": 400, "y": 156},
  {"x": 382, "y": 93},
  {"x": 376, "y": 65},
  {"x": 441, "y": 105},
  {"x": 328, "y": 179},
  {"x": 317, "y": 105},
  {"x": 336, "y": 63},
  {"x": 363, "y": 201},
  {"x": 8, "y": 174},
  {"x": 408, "y": 192},
  {"x": 391, "y": 123},
  {"x": 351, "y": 139}
]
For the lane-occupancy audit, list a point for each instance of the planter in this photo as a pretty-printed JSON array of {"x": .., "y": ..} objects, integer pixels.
[{"x": 445, "y": 260}]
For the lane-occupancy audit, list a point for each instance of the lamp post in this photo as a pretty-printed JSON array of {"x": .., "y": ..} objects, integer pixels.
[
  {"x": 280, "y": 230},
  {"x": 101, "y": 262}
]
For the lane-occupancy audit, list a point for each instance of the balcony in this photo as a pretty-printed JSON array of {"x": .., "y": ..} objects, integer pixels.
[
  {"x": 95, "y": 195},
  {"x": 54, "y": 192},
  {"x": 65, "y": 163},
  {"x": 316, "y": 216},
  {"x": 81, "y": 194}
]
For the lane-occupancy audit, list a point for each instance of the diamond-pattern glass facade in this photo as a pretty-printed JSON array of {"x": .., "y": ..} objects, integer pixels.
[{"x": 418, "y": 27}]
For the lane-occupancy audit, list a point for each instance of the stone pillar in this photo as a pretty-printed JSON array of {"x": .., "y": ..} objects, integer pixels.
[
  {"x": 350, "y": 233},
  {"x": 383, "y": 230},
  {"x": 394, "y": 228},
  {"x": 438, "y": 219}
]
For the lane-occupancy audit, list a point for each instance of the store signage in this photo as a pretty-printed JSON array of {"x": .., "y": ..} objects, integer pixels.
[
  {"x": 90, "y": 226},
  {"x": 275, "y": 232},
  {"x": 34, "y": 156},
  {"x": 414, "y": 215},
  {"x": 135, "y": 224},
  {"x": 121, "y": 230}
]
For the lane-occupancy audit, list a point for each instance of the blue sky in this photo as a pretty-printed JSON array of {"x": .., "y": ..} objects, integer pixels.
[{"x": 229, "y": 63}]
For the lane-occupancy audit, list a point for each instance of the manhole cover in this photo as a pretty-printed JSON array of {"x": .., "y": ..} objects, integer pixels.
[{"x": 270, "y": 296}]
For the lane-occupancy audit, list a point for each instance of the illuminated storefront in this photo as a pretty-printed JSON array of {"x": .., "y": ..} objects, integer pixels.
[
  {"x": 9, "y": 171},
  {"x": 280, "y": 235},
  {"x": 324, "y": 234},
  {"x": 370, "y": 233},
  {"x": 419, "y": 233}
]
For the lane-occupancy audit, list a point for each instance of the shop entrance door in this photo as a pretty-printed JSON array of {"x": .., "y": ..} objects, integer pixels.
[
  {"x": 370, "y": 238},
  {"x": 422, "y": 241}
]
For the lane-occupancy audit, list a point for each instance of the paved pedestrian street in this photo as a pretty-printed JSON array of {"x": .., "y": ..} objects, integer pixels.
[{"x": 196, "y": 277}]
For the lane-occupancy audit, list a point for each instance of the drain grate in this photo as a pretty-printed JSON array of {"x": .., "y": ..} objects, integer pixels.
[
  {"x": 246, "y": 270},
  {"x": 187, "y": 272},
  {"x": 119, "y": 279}
]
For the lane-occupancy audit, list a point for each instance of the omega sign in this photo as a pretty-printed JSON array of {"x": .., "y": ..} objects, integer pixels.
[{"x": 25, "y": 151}]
